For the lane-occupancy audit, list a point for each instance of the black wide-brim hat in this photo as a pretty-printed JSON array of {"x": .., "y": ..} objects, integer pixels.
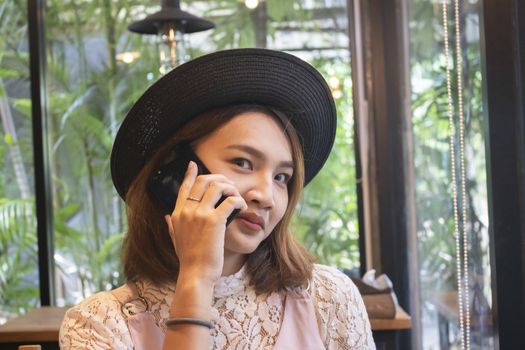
[{"x": 230, "y": 77}]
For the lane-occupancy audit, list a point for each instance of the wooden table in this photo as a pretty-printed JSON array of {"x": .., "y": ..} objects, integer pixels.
[
  {"x": 41, "y": 326},
  {"x": 401, "y": 321},
  {"x": 386, "y": 331},
  {"x": 38, "y": 326}
]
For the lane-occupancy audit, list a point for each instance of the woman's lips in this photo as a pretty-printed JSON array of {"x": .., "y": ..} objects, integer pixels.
[
  {"x": 251, "y": 220},
  {"x": 251, "y": 225}
]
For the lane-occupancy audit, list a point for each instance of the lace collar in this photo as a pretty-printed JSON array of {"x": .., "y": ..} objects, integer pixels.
[
  {"x": 230, "y": 285},
  {"x": 224, "y": 287}
]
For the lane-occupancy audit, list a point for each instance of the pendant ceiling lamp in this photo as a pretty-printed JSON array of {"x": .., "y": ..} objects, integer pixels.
[{"x": 170, "y": 24}]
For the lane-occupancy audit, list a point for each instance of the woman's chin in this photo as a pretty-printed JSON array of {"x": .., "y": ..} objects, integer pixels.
[{"x": 241, "y": 241}]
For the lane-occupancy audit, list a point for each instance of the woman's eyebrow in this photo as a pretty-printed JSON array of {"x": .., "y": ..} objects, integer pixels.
[{"x": 259, "y": 155}]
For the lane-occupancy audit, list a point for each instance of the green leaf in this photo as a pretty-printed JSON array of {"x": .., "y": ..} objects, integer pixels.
[
  {"x": 8, "y": 138},
  {"x": 23, "y": 105},
  {"x": 9, "y": 73}
]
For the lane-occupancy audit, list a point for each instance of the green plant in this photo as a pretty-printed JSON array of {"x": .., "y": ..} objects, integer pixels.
[
  {"x": 327, "y": 217},
  {"x": 18, "y": 255}
]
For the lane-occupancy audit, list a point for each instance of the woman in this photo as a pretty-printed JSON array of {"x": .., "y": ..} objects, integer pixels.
[{"x": 219, "y": 267}]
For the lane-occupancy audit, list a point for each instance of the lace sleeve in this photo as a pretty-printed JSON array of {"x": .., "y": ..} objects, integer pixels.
[
  {"x": 95, "y": 323},
  {"x": 341, "y": 314}
]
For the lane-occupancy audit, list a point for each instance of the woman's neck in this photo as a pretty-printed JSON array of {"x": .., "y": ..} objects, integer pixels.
[{"x": 233, "y": 262}]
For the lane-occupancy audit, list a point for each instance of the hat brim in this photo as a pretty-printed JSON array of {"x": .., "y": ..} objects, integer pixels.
[{"x": 229, "y": 77}]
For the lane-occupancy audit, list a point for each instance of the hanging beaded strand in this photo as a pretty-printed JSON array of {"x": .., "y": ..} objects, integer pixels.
[
  {"x": 453, "y": 172},
  {"x": 459, "y": 73},
  {"x": 461, "y": 251}
]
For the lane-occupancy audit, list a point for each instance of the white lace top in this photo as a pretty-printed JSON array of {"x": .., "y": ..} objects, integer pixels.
[{"x": 241, "y": 319}]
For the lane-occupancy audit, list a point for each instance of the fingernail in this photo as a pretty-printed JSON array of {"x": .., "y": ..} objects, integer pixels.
[{"x": 191, "y": 164}]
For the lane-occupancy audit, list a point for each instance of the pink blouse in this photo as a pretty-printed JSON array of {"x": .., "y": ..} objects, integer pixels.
[
  {"x": 330, "y": 315},
  {"x": 298, "y": 330}
]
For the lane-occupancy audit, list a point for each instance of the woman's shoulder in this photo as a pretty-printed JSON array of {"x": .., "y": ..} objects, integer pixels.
[
  {"x": 333, "y": 286},
  {"x": 332, "y": 278},
  {"x": 341, "y": 313},
  {"x": 104, "y": 301},
  {"x": 96, "y": 303},
  {"x": 96, "y": 317}
]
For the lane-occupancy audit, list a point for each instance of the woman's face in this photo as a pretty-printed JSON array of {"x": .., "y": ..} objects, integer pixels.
[{"x": 253, "y": 151}]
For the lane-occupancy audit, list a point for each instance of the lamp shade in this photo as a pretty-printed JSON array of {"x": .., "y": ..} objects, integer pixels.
[{"x": 170, "y": 12}]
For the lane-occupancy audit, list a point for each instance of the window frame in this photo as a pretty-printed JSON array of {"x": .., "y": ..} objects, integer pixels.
[
  {"x": 503, "y": 55},
  {"x": 43, "y": 193}
]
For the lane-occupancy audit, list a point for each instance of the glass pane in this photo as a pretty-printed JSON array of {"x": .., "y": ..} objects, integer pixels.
[
  {"x": 437, "y": 245},
  {"x": 97, "y": 69},
  {"x": 18, "y": 248}
]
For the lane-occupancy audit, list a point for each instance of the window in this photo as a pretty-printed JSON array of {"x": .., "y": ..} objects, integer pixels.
[
  {"x": 18, "y": 248},
  {"x": 96, "y": 69},
  {"x": 436, "y": 242}
]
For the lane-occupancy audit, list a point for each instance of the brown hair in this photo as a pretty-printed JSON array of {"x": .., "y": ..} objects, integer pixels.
[{"x": 279, "y": 262}]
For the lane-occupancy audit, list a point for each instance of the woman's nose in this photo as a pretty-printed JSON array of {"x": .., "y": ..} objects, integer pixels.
[{"x": 261, "y": 191}]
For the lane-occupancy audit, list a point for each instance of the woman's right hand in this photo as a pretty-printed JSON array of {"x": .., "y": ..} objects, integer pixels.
[{"x": 197, "y": 228}]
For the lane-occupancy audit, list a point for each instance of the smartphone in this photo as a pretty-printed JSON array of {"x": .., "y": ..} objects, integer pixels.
[{"x": 166, "y": 181}]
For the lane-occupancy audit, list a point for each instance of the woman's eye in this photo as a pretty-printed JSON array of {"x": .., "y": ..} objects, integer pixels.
[
  {"x": 243, "y": 163},
  {"x": 284, "y": 178}
]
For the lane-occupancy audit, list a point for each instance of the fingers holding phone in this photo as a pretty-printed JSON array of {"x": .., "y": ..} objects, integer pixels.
[
  {"x": 208, "y": 192},
  {"x": 165, "y": 183},
  {"x": 197, "y": 224},
  {"x": 205, "y": 189}
]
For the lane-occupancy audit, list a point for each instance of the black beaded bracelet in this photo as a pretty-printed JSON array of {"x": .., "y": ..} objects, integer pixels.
[{"x": 176, "y": 321}]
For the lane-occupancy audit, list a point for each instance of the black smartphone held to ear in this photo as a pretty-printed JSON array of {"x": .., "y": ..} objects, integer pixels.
[{"x": 166, "y": 181}]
